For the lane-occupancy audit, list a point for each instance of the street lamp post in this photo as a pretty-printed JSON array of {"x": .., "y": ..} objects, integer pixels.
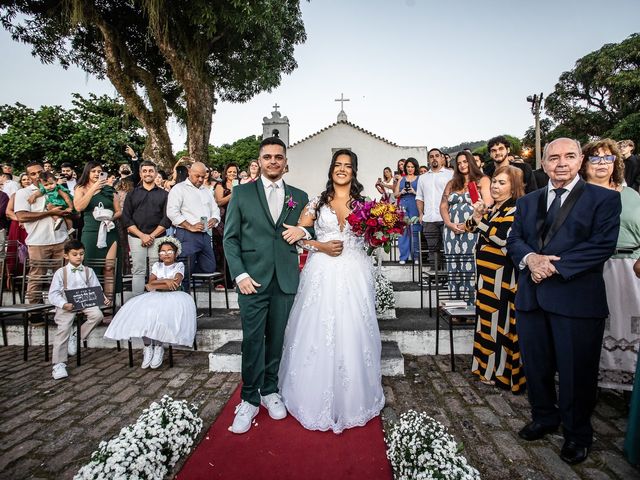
[{"x": 536, "y": 102}]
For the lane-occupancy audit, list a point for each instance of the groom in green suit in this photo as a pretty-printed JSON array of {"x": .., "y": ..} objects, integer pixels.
[{"x": 265, "y": 267}]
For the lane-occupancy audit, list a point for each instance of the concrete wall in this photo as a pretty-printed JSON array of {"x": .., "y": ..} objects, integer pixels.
[{"x": 309, "y": 160}]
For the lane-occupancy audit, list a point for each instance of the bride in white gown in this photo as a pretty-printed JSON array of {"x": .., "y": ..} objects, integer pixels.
[{"x": 330, "y": 376}]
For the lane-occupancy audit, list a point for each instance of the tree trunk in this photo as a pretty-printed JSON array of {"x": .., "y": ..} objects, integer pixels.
[
  {"x": 124, "y": 73},
  {"x": 200, "y": 101}
]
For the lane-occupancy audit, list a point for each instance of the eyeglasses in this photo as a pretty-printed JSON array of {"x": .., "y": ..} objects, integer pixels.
[
  {"x": 603, "y": 159},
  {"x": 164, "y": 253}
]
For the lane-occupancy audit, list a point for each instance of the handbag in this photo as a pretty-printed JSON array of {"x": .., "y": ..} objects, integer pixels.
[{"x": 102, "y": 214}]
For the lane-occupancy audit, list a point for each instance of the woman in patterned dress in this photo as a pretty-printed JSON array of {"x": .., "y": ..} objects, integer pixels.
[
  {"x": 496, "y": 354},
  {"x": 456, "y": 208}
]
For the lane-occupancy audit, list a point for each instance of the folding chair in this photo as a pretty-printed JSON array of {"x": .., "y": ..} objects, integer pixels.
[{"x": 454, "y": 296}]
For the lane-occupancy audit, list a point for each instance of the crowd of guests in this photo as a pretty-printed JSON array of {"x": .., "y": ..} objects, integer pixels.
[
  {"x": 549, "y": 268},
  {"x": 553, "y": 251},
  {"x": 158, "y": 227}
]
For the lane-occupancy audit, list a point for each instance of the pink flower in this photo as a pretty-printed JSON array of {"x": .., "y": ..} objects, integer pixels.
[{"x": 291, "y": 203}]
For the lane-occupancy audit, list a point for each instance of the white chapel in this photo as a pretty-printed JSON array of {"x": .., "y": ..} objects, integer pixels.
[{"x": 309, "y": 158}]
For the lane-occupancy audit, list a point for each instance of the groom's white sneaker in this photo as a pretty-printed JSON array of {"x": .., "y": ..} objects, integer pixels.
[
  {"x": 245, "y": 413},
  {"x": 273, "y": 403}
]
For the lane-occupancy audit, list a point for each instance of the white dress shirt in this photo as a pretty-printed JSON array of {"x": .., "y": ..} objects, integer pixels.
[
  {"x": 76, "y": 279},
  {"x": 279, "y": 192},
  {"x": 431, "y": 186},
  {"x": 190, "y": 203},
  {"x": 10, "y": 187}
]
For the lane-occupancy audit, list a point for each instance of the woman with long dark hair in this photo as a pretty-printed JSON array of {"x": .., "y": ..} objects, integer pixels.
[
  {"x": 330, "y": 376},
  {"x": 456, "y": 207},
  {"x": 99, "y": 235},
  {"x": 405, "y": 189},
  {"x": 222, "y": 195}
]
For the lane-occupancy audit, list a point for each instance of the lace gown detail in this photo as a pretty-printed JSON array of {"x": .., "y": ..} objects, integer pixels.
[{"x": 330, "y": 376}]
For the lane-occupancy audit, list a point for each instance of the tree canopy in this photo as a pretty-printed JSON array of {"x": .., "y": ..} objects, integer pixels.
[
  {"x": 95, "y": 128},
  {"x": 241, "y": 151},
  {"x": 600, "y": 96},
  {"x": 166, "y": 57}
]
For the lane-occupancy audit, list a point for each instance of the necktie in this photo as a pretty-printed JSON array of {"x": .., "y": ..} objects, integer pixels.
[
  {"x": 76, "y": 269},
  {"x": 272, "y": 199},
  {"x": 552, "y": 213}
]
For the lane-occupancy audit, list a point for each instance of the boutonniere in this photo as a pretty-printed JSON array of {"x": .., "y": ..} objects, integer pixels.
[{"x": 291, "y": 203}]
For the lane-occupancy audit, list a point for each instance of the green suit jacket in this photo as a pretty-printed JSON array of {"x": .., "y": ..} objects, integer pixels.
[{"x": 254, "y": 244}]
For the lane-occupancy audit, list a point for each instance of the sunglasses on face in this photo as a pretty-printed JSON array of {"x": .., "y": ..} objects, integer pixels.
[
  {"x": 595, "y": 160},
  {"x": 164, "y": 253}
]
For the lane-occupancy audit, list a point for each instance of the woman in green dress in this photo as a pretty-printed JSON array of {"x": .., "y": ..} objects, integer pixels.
[{"x": 91, "y": 191}]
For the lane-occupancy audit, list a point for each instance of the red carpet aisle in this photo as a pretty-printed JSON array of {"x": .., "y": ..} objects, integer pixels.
[{"x": 283, "y": 450}]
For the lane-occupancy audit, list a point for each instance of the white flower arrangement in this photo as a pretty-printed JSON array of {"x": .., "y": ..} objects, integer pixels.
[
  {"x": 420, "y": 447},
  {"x": 384, "y": 293},
  {"x": 150, "y": 447}
]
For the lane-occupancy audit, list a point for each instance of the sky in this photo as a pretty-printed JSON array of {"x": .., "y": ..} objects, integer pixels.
[{"x": 417, "y": 72}]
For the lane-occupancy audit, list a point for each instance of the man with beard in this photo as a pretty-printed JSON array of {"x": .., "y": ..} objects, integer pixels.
[
  {"x": 66, "y": 170},
  {"x": 431, "y": 186},
  {"x": 500, "y": 150},
  {"x": 144, "y": 217}
]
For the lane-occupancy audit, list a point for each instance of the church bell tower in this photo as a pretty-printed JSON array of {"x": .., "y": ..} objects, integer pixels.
[{"x": 276, "y": 126}]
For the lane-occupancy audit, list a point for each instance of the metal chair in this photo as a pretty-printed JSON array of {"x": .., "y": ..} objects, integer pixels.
[
  {"x": 38, "y": 275},
  {"x": 454, "y": 296},
  {"x": 429, "y": 261}
]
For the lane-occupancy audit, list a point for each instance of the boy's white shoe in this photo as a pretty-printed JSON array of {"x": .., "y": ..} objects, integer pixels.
[
  {"x": 158, "y": 356},
  {"x": 273, "y": 403},
  {"x": 59, "y": 371},
  {"x": 245, "y": 413},
  {"x": 147, "y": 355},
  {"x": 72, "y": 344}
]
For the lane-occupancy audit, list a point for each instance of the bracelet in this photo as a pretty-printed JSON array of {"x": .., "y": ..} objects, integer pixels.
[{"x": 307, "y": 247}]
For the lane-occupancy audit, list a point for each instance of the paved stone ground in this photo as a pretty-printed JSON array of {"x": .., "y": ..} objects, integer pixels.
[
  {"x": 48, "y": 428},
  {"x": 486, "y": 420}
]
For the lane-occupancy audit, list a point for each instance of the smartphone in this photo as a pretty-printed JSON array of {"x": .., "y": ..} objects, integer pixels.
[
  {"x": 103, "y": 176},
  {"x": 234, "y": 183},
  {"x": 473, "y": 192}
]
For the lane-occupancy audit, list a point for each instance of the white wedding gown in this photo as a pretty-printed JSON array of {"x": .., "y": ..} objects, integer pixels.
[{"x": 330, "y": 376}]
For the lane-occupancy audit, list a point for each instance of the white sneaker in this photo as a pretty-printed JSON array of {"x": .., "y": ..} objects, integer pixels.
[
  {"x": 273, "y": 403},
  {"x": 158, "y": 356},
  {"x": 245, "y": 413},
  {"x": 59, "y": 371},
  {"x": 402, "y": 262},
  {"x": 72, "y": 345},
  {"x": 147, "y": 355}
]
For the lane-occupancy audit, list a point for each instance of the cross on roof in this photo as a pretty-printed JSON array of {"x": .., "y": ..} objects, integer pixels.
[
  {"x": 275, "y": 107},
  {"x": 342, "y": 100}
]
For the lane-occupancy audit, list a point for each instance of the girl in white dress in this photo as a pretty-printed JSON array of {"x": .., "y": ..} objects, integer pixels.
[
  {"x": 330, "y": 377},
  {"x": 163, "y": 314}
]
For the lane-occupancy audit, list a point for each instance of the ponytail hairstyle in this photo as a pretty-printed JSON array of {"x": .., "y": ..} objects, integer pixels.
[{"x": 355, "y": 193}]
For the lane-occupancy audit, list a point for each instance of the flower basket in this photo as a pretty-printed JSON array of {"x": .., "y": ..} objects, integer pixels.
[
  {"x": 420, "y": 447},
  {"x": 150, "y": 447}
]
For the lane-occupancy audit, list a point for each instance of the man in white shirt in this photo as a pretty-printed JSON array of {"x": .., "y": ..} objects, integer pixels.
[
  {"x": 9, "y": 186},
  {"x": 72, "y": 276},
  {"x": 431, "y": 186},
  {"x": 194, "y": 212},
  {"x": 43, "y": 241}
]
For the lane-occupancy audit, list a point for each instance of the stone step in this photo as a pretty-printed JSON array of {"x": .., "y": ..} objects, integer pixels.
[
  {"x": 227, "y": 358},
  {"x": 412, "y": 329}
]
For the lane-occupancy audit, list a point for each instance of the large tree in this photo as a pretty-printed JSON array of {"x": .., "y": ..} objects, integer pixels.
[
  {"x": 601, "y": 95},
  {"x": 166, "y": 57},
  {"x": 95, "y": 128}
]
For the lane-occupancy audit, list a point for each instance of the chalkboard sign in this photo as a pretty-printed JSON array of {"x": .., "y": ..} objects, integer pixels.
[{"x": 82, "y": 298}]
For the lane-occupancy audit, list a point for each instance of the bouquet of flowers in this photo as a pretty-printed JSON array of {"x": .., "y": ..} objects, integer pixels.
[
  {"x": 420, "y": 447},
  {"x": 379, "y": 222},
  {"x": 149, "y": 448}
]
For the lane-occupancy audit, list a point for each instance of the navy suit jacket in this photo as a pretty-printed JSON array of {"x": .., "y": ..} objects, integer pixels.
[{"x": 583, "y": 235}]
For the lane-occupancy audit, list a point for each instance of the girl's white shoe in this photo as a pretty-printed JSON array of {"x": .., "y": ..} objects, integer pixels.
[{"x": 147, "y": 355}]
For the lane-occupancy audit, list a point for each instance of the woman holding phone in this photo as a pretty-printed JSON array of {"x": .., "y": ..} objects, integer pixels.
[
  {"x": 456, "y": 207},
  {"x": 93, "y": 191},
  {"x": 405, "y": 190}
]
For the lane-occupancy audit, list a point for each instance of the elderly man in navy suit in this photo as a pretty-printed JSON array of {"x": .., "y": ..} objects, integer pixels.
[{"x": 560, "y": 239}]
